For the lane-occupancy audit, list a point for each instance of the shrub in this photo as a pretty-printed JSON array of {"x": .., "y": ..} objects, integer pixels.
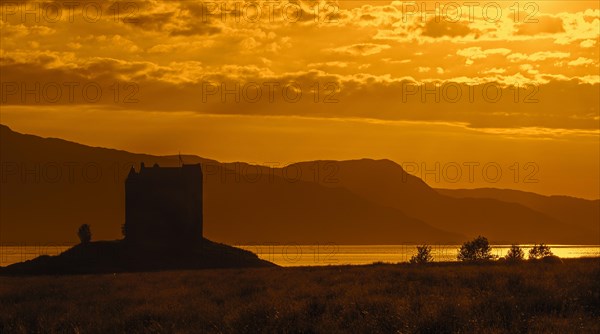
[
  {"x": 476, "y": 250},
  {"x": 84, "y": 233},
  {"x": 423, "y": 255},
  {"x": 515, "y": 254},
  {"x": 540, "y": 251},
  {"x": 551, "y": 259}
]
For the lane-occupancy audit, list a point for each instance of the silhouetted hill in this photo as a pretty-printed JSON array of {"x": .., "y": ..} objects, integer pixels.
[
  {"x": 349, "y": 202},
  {"x": 572, "y": 211},
  {"x": 118, "y": 256},
  {"x": 385, "y": 182}
]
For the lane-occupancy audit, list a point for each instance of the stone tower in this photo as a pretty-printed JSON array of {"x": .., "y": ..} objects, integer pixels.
[{"x": 163, "y": 205}]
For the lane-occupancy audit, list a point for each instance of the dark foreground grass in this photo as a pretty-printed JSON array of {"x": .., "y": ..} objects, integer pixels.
[{"x": 439, "y": 298}]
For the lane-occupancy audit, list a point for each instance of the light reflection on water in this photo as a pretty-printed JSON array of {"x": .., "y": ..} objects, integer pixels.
[
  {"x": 317, "y": 255},
  {"x": 331, "y": 254}
]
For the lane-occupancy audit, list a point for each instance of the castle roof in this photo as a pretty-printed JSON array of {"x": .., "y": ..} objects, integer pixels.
[{"x": 164, "y": 172}]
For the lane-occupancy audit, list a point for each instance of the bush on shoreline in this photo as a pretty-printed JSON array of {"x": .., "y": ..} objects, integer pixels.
[
  {"x": 540, "y": 251},
  {"x": 423, "y": 255},
  {"x": 477, "y": 249},
  {"x": 515, "y": 254}
]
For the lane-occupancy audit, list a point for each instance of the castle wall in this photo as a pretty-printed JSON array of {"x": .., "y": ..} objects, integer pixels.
[{"x": 164, "y": 205}]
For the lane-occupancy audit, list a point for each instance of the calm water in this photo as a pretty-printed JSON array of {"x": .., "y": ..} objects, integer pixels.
[
  {"x": 319, "y": 255},
  {"x": 315, "y": 255}
]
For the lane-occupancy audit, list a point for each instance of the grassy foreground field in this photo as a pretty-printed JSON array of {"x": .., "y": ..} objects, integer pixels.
[{"x": 438, "y": 298}]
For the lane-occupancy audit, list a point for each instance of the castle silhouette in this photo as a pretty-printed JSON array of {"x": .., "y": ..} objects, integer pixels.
[
  {"x": 163, "y": 205},
  {"x": 163, "y": 231}
]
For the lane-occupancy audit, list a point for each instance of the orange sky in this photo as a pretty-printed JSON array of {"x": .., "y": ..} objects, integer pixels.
[{"x": 391, "y": 83}]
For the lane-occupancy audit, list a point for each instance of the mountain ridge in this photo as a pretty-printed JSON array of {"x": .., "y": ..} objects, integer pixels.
[{"x": 351, "y": 201}]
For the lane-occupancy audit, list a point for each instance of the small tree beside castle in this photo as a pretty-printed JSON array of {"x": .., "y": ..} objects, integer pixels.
[{"x": 84, "y": 233}]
